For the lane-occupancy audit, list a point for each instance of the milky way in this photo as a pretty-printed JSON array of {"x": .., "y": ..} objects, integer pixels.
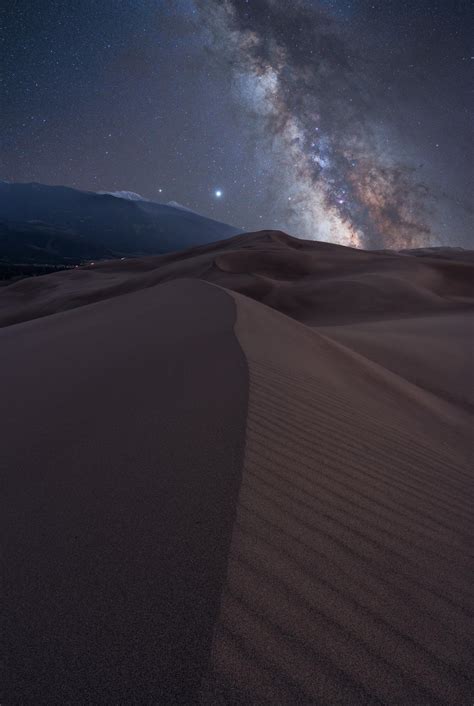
[
  {"x": 303, "y": 81},
  {"x": 342, "y": 120}
]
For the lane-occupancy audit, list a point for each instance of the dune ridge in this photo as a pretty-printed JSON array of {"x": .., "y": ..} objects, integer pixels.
[
  {"x": 343, "y": 585},
  {"x": 313, "y": 282},
  {"x": 240, "y": 474}
]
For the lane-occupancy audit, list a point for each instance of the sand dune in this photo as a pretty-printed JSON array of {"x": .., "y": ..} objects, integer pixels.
[
  {"x": 349, "y": 578},
  {"x": 122, "y": 439},
  {"x": 252, "y": 493},
  {"x": 316, "y": 283}
]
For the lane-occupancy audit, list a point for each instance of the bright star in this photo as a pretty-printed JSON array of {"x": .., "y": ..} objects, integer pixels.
[{"x": 218, "y": 193}]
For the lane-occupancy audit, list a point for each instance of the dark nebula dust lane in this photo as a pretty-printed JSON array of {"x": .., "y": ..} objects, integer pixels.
[
  {"x": 326, "y": 106},
  {"x": 331, "y": 119}
]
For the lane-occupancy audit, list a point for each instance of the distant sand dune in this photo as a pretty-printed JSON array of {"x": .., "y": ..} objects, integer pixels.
[{"x": 316, "y": 283}]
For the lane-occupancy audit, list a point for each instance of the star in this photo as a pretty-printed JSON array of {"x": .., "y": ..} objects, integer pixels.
[{"x": 307, "y": 114}]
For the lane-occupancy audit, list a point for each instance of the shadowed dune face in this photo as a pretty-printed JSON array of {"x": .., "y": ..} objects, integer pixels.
[
  {"x": 224, "y": 499},
  {"x": 123, "y": 429}
]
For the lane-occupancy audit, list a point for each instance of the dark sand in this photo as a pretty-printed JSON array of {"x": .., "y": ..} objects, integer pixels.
[
  {"x": 260, "y": 499},
  {"x": 122, "y": 440},
  {"x": 315, "y": 283}
]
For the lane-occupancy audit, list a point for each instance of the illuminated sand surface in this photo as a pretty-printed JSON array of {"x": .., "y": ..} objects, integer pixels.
[{"x": 258, "y": 492}]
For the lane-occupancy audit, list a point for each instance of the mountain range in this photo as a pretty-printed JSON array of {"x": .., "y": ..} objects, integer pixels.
[{"x": 58, "y": 225}]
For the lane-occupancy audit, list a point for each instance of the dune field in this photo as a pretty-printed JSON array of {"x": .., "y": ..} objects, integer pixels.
[{"x": 240, "y": 474}]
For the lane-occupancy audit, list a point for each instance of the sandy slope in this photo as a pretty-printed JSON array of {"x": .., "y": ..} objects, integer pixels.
[
  {"x": 349, "y": 577},
  {"x": 220, "y": 498},
  {"x": 316, "y": 283},
  {"x": 433, "y": 352},
  {"x": 122, "y": 438}
]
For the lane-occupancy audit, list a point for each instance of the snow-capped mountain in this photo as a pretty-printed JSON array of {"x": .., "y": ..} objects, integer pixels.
[
  {"x": 127, "y": 195},
  {"x": 175, "y": 204},
  {"x": 40, "y": 223}
]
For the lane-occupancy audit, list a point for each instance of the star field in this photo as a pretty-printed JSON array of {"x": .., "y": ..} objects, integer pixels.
[{"x": 345, "y": 121}]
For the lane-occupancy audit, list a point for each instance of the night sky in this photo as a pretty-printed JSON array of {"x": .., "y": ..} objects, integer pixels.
[{"x": 334, "y": 120}]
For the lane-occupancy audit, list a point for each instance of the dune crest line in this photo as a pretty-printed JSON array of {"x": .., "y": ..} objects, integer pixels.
[{"x": 329, "y": 598}]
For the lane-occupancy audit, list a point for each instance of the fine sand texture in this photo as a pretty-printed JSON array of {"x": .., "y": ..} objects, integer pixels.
[
  {"x": 349, "y": 577},
  {"x": 240, "y": 474}
]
